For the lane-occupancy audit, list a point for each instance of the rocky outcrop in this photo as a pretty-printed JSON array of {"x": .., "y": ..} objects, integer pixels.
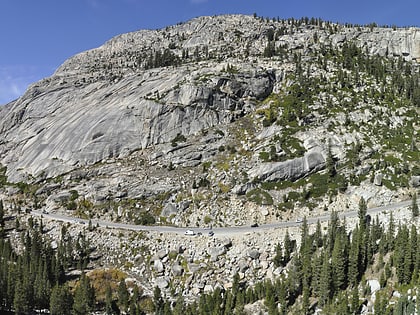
[
  {"x": 63, "y": 128},
  {"x": 289, "y": 170}
]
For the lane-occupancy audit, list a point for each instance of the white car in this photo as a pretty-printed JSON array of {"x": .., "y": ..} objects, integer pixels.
[
  {"x": 189, "y": 232},
  {"x": 299, "y": 220}
]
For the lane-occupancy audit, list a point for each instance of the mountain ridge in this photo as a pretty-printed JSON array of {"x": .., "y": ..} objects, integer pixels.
[{"x": 123, "y": 58}]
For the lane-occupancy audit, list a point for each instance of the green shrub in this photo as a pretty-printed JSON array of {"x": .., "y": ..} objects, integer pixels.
[
  {"x": 260, "y": 197},
  {"x": 179, "y": 138},
  {"x": 145, "y": 218}
]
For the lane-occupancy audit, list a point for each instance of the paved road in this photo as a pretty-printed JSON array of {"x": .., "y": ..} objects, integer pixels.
[{"x": 216, "y": 230}]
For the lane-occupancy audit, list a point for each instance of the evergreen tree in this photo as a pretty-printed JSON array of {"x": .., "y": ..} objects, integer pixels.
[
  {"x": 179, "y": 308},
  {"x": 400, "y": 258},
  {"x": 282, "y": 296},
  {"x": 326, "y": 283},
  {"x": 305, "y": 300},
  {"x": 330, "y": 164},
  {"x": 108, "y": 300},
  {"x": 317, "y": 261},
  {"x": 339, "y": 264},
  {"x": 61, "y": 300},
  {"x": 414, "y": 206},
  {"x": 353, "y": 266},
  {"x": 134, "y": 308},
  {"x": 84, "y": 296},
  {"x": 288, "y": 248},
  {"x": 278, "y": 259},
  {"x": 355, "y": 302},
  {"x": 408, "y": 262},
  {"x": 404, "y": 306},
  {"x": 123, "y": 296},
  {"x": 42, "y": 286},
  {"x": 343, "y": 304},
  {"x": 158, "y": 301},
  {"x": 318, "y": 235},
  {"x": 362, "y": 214},
  {"x": 1, "y": 219},
  {"x": 391, "y": 233},
  {"x": 12, "y": 280},
  {"x": 20, "y": 300},
  {"x": 333, "y": 228}
]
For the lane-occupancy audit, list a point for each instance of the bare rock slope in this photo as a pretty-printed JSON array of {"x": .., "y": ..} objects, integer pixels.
[{"x": 111, "y": 101}]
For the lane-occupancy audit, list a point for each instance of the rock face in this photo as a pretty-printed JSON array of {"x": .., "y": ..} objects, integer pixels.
[
  {"x": 289, "y": 170},
  {"x": 54, "y": 128},
  {"x": 106, "y": 102}
]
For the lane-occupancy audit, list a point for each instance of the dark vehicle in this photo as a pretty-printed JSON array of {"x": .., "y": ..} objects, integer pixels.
[{"x": 254, "y": 225}]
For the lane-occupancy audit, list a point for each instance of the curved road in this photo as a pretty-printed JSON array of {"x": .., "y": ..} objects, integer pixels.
[{"x": 216, "y": 230}]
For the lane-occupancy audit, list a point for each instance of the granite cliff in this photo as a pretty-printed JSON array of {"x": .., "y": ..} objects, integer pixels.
[
  {"x": 220, "y": 122},
  {"x": 110, "y": 101}
]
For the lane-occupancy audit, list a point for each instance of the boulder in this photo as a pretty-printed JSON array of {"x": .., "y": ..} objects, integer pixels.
[
  {"x": 415, "y": 181},
  {"x": 177, "y": 270},
  {"x": 378, "y": 179},
  {"x": 169, "y": 209},
  {"x": 208, "y": 289},
  {"x": 158, "y": 266},
  {"x": 162, "y": 283},
  {"x": 215, "y": 252},
  {"x": 243, "y": 189},
  {"x": 162, "y": 253},
  {"x": 374, "y": 285},
  {"x": 253, "y": 253}
]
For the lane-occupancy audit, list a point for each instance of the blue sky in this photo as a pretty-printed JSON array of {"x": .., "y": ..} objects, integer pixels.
[{"x": 36, "y": 36}]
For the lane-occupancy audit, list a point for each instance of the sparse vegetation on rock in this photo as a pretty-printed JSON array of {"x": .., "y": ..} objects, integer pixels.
[{"x": 247, "y": 121}]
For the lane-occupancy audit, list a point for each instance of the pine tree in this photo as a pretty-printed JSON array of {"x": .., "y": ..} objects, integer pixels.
[
  {"x": 414, "y": 206},
  {"x": 305, "y": 300},
  {"x": 391, "y": 233},
  {"x": 362, "y": 214},
  {"x": 318, "y": 235},
  {"x": 42, "y": 286},
  {"x": 61, "y": 300},
  {"x": 339, "y": 264},
  {"x": 400, "y": 257},
  {"x": 354, "y": 254},
  {"x": 355, "y": 303},
  {"x": 108, "y": 300},
  {"x": 278, "y": 259},
  {"x": 288, "y": 247},
  {"x": 158, "y": 301},
  {"x": 179, "y": 308},
  {"x": 329, "y": 161},
  {"x": 84, "y": 296},
  {"x": 123, "y": 296},
  {"x": 282, "y": 296},
  {"x": 317, "y": 261},
  {"x": 343, "y": 304},
  {"x": 20, "y": 300},
  {"x": 134, "y": 309},
  {"x": 333, "y": 228},
  {"x": 326, "y": 283},
  {"x": 380, "y": 303},
  {"x": 408, "y": 262},
  {"x": 1, "y": 219}
]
